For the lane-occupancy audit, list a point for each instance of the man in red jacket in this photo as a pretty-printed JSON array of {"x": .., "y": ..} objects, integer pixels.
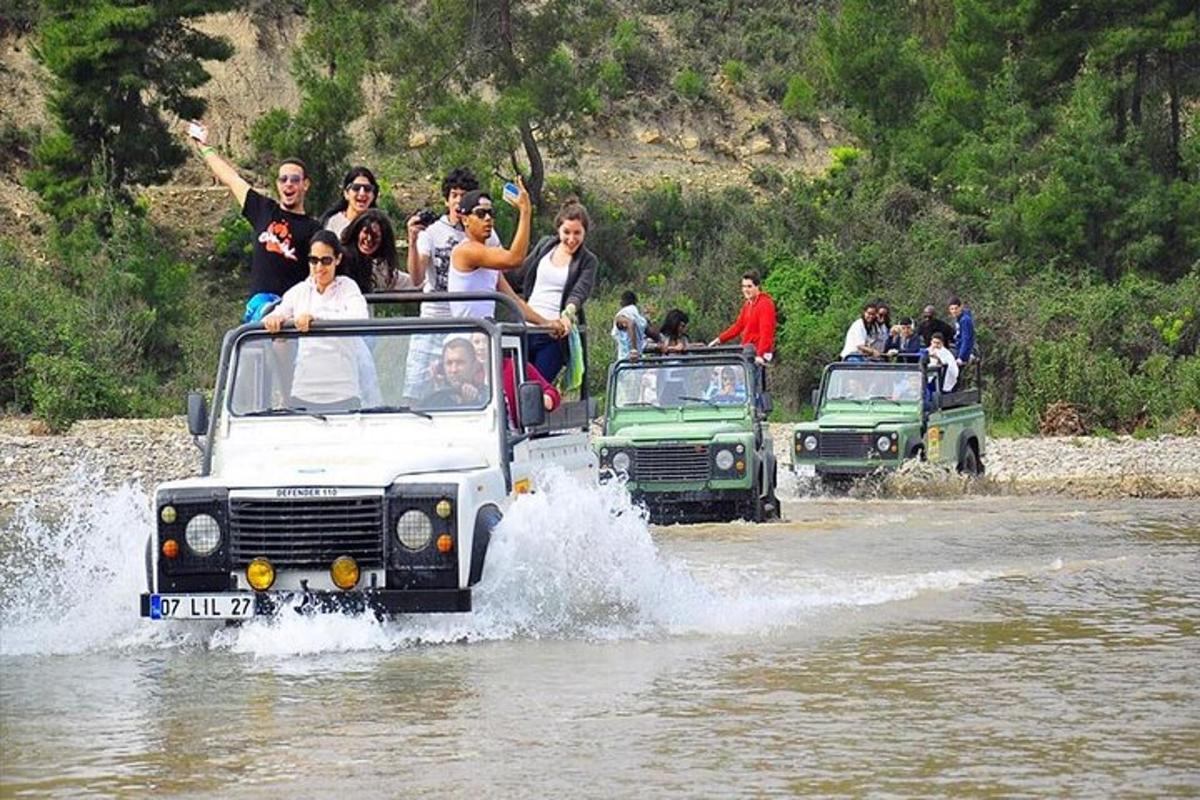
[{"x": 756, "y": 322}]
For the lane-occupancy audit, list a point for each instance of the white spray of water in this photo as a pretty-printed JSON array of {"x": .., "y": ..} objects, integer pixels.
[{"x": 569, "y": 561}]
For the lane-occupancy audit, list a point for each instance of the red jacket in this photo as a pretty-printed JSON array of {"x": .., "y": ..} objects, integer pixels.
[
  {"x": 756, "y": 324},
  {"x": 531, "y": 374}
]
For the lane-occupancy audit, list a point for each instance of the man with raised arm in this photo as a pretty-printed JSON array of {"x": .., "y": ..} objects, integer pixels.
[{"x": 282, "y": 229}]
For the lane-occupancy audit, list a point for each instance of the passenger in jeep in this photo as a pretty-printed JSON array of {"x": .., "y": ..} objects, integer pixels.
[
  {"x": 459, "y": 380},
  {"x": 728, "y": 390},
  {"x": 939, "y": 355}
]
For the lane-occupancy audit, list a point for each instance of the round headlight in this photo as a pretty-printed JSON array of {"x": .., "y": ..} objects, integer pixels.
[
  {"x": 260, "y": 574},
  {"x": 883, "y": 443},
  {"x": 344, "y": 572},
  {"x": 202, "y": 534},
  {"x": 724, "y": 460},
  {"x": 810, "y": 443},
  {"x": 620, "y": 462},
  {"x": 414, "y": 529}
]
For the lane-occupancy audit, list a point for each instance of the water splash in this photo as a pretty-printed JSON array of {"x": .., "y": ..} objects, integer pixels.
[{"x": 570, "y": 561}]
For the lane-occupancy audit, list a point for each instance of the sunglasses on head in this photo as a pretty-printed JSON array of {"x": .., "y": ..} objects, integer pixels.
[
  {"x": 483, "y": 213},
  {"x": 290, "y": 178},
  {"x": 324, "y": 261},
  {"x": 360, "y": 188}
]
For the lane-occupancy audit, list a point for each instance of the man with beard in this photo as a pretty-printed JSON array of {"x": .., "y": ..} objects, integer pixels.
[{"x": 282, "y": 229}]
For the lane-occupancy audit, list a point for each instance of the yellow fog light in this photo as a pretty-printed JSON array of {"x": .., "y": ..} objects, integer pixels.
[
  {"x": 443, "y": 509},
  {"x": 344, "y": 572},
  {"x": 741, "y": 466},
  {"x": 260, "y": 574},
  {"x": 167, "y": 514}
]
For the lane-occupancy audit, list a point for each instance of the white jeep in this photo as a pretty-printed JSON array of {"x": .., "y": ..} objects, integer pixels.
[{"x": 360, "y": 466}]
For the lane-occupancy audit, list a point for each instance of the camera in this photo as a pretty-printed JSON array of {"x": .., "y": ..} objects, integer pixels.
[{"x": 426, "y": 217}]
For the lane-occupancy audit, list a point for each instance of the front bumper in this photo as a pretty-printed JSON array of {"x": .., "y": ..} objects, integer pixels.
[
  {"x": 379, "y": 601},
  {"x": 693, "y": 505}
]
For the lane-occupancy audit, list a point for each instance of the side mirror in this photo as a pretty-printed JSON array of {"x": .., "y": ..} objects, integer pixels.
[
  {"x": 529, "y": 402},
  {"x": 764, "y": 403},
  {"x": 816, "y": 398},
  {"x": 197, "y": 414}
]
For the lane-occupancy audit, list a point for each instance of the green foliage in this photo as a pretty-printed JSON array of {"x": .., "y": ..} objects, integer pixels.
[
  {"x": 118, "y": 70},
  {"x": 735, "y": 71},
  {"x": 800, "y": 100},
  {"x": 690, "y": 85}
]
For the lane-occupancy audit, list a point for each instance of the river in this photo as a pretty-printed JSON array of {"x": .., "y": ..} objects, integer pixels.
[{"x": 980, "y": 646}]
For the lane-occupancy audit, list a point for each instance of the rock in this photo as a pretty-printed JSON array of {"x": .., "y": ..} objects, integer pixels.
[
  {"x": 649, "y": 136},
  {"x": 757, "y": 146},
  {"x": 418, "y": 140},
  {"x": 689, "y": 142}
]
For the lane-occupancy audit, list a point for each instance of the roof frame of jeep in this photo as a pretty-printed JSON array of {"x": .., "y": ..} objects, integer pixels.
[
  {"x": 941, "y": 400},
  {"x": 495, "y": 330}
]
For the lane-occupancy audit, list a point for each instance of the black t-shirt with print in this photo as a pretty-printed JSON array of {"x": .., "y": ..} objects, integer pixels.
[{"x": 279, "y": 259}]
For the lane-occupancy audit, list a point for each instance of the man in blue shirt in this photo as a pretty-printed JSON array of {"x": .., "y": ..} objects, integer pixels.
[{"x": 964, "y": 331}]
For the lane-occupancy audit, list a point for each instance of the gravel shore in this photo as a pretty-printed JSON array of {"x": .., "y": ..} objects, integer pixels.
[{"x": 148, "y": 451}]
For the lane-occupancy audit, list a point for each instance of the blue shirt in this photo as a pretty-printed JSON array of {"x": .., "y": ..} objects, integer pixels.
[{"x": 964, "y": 338}]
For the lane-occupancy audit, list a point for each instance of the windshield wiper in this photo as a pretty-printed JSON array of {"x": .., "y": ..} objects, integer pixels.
[
  {"x": 704, "y": 400},
  {"x": 846, "y": 397},
  {"x": 394, "y": 410},
  {"x": 299, "y": 411},
  {"x": 880, "y": 397},
  {"x": 641, "y": 404}
]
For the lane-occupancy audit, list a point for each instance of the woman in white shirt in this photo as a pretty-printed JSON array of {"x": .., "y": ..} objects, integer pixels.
[
  {"x": 327, "y": 367},
  {"x": 556, "y": 279}
]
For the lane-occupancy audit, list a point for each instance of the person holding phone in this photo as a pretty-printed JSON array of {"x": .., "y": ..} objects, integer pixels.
[
  {"x": 476, "y": 267},
  {"x": 282, "y": 229},
  {"x": 556, "y": 279}
]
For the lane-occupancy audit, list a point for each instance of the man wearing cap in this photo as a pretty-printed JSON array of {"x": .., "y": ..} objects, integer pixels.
[{"x": 475, "y": 267}]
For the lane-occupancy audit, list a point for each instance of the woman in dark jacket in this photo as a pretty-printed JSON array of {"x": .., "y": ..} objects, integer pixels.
[{"x": 556, "y": 279}]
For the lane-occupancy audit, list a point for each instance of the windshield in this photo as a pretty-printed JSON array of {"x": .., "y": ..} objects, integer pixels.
[
  {"x": 674, "y": 386},
  {"x": 861, "y": 385},
  {"x": 324, "y": 373}
]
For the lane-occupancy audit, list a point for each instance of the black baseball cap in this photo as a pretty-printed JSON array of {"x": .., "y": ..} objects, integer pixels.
[{"x": 471, "y": 199}]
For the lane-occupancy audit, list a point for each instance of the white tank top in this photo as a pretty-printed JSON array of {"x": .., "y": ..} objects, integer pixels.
[
  {"x": 546, "y": 297},
  {"x": 479, "y": 280}
]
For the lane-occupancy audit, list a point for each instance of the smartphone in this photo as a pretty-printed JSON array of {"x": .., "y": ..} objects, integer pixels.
[
  {"x": 197, "y": 132},
  {"x": 510, "y": 193}
]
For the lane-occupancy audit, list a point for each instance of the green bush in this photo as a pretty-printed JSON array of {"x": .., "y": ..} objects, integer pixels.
[
  {"x": 690, "y": 85},
  {"x": 735, "y": 71},
  {"x": 800, "y": 99}
]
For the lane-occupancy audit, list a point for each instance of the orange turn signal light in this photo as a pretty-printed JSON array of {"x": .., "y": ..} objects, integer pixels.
[
  {"x": 444, "y": 543},
  {"x": 170, "y": 548}
]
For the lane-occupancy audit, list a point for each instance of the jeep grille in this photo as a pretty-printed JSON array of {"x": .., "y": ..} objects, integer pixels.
[
  {"x": 672, "y": 462},
  {"x": 845, "y": 444},
  {"x": 307, "y": 532}
]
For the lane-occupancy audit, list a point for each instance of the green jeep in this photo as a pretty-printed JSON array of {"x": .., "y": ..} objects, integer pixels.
[
  {"x": 686, "y": 431},
  {"x": 872, "y": 416}
]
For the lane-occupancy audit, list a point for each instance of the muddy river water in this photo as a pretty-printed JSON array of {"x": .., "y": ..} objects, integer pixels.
[{"x": 971, "y": 647}]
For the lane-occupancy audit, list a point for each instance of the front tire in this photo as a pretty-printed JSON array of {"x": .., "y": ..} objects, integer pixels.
[{"x": 970, "y": 463}]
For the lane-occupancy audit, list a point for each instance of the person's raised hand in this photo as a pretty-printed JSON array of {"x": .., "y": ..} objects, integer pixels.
[
  {"x": 414, "y": 226},
  {"x": 523, "y": 201}
]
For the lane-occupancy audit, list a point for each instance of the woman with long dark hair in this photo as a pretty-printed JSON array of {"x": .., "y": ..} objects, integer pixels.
[
  {"x": 360, "y": 191},
  {"x": 370, "y": 245},
  {"x": 556, "y": 279},
  {"x": 672, "y": 336}
]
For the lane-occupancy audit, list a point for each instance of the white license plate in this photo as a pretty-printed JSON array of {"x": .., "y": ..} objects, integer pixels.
[
  {"x": 805, "y": 470},
  {"x": 201, "y": 606}
]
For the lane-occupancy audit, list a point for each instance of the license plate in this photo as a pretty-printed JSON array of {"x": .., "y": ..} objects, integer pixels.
[
  {"x": 805, "y": 470},
  {"x": 201, "y": 606}
]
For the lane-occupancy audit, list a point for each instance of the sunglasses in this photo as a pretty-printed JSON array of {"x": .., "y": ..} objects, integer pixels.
[
  {"x": 290, "y": 178},
  {"x": 483, "y": 213},
  {"x": 324, "y": 261},
  {"x": 360, "y": 188}
]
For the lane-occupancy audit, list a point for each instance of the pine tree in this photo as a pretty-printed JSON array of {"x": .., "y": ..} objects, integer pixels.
[{"x": 122, "y": 74}]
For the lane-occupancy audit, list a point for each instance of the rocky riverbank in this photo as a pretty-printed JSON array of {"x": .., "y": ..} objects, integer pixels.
[{"x": 146, "y": 451}]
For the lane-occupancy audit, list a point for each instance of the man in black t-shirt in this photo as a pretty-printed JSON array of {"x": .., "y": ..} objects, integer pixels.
[{"x": 279, "y": 259}]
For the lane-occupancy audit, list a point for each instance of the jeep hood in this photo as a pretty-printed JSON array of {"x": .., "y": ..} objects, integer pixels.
[
  {"x": 676, "y": 431},
  {"x": 284, "y": 465},
  {"x": 858, "y": 419}
]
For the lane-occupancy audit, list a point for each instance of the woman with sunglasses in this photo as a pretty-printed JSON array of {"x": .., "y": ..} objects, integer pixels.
[
  {"x": 323, "y": 294},
  {"x": 370, "y": 245},
  {"x": 360, "y": 191}
]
